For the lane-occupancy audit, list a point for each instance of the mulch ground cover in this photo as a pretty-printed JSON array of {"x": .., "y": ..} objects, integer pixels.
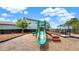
[{"x": 5, "y": 37}]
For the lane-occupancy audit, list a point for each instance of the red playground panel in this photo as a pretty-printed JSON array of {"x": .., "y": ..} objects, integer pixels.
[{"x": 41, "y": 29}]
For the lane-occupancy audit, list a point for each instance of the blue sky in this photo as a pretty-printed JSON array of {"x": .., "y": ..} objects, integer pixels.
[{"x": 54, "y": 15}]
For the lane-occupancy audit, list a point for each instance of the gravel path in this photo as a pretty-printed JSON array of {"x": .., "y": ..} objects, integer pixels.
[{"x": 28, "y": 43}]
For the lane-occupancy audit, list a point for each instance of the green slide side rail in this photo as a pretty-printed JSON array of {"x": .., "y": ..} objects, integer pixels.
[
  {"x": 41, "y": 35},
  {"x": 41, "y": 42}
]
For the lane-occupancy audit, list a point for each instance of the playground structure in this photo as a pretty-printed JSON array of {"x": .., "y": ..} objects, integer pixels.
[
  {"x": 55, "y": 36},
  {"x": 41, "y": 34}
]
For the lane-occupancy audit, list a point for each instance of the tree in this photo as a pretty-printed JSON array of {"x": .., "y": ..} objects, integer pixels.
[
  {"x": 60, "y": 27},
  {"x": 74, "y": 22},
  {"x": 23, "y": 23},
  {"x": 68, "y": 24}
]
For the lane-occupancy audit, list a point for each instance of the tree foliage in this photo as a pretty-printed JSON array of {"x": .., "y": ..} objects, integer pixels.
[
  {"x": 73, "y": 22},
  {"x": 23, "y": 23}
]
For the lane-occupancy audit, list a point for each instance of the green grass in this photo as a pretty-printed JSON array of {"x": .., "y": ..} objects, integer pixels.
[{"x": 76, "y": 32}]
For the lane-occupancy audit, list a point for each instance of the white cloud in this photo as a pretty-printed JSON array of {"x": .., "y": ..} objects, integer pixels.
[
  {"x": 55, "y": 12},
  {"x": 53, "y": 24},
  {"x": 14, "y": 20},
  {"x": 61, "y": 13},
  {"x": 25, "y": 12},
  {"x": 62, "y": 20},
  {"x": 5, "y": 14},
  {"x": 3, "y": 19},
  {"x": 48, "y": 11},
  {"x": 47, "y": 19}
]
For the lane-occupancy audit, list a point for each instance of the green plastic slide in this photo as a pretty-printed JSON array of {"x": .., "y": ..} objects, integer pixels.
[
  {"x": 41, "y": 33},
  {"x": 41, "y": 37}
]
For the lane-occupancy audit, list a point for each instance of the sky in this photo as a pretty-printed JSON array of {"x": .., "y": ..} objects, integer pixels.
[
  {"x": 54, "y": 15},
  {"x": 11, "y": 11}
]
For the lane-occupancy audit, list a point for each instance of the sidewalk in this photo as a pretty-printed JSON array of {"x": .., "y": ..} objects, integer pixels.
[
  {"x": 75, "y": 35},
  {"x": 72, "y": 35}
]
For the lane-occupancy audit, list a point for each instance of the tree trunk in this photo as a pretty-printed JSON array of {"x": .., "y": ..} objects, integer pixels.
[
  {"x": 69, "y": 31},
  {"x": 22, "y": 30}
]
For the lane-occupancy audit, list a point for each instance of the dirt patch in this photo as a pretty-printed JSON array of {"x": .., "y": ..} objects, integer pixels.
[{"x": 5, "y": 37}]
